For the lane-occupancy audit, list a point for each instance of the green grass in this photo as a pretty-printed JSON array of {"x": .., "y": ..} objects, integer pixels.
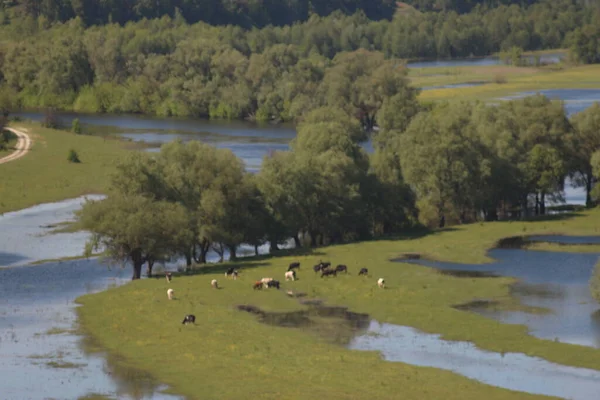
[
  {"x": 45, "y": 175},
  {"x": 197, "y": 360},
  {"x": 518, "y": 79}
]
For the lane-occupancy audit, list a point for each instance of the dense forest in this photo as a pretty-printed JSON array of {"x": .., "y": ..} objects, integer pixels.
[
  {"x": 453, "y": 163},
  {"x": 246, "y": 13},
  {"x": 168, "y": 67}
]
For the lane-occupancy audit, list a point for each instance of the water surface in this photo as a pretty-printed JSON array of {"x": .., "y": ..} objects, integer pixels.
[
  {"x": 552, "y": 280},
  {"x": 515, "y": 371},
  {"x": 549, "y": 58},
  {"x": 34, "y": 364}
]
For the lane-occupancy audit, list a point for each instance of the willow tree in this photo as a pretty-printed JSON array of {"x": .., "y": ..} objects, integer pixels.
[{"x": 134, "y": 229}]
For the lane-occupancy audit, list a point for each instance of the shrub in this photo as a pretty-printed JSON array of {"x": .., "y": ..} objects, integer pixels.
[
  {"x": 73, "y": 157},
  {"x": 51, "y": 120},
  {"x": 499, "y": 79},
  {"x": 595, "y": 283},
  {"x": 76, "y": 126}
]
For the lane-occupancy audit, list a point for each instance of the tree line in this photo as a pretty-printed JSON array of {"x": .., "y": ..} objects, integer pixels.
[
  {"x": 167, "y": 67},
  {"x": 444, "y": 164},
  {"x": 246, "y": 13}
]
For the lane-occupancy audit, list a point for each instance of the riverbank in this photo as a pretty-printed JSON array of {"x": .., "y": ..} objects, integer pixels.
[
  {"x": 45, "y": 175},
  {"x": 226, "y": 340},
  {"x": 499, "y": 81}
]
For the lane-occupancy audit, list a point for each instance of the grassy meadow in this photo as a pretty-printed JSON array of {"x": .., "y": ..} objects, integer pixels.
[
  {"x": 514, "y": 80},
  {"x": 45, "y": 175},
  {"x": 138, "y": 322}
]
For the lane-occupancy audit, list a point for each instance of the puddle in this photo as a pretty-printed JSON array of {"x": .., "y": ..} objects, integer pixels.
[
  {"x": 333, "y": 324},
  {"x": 555, "y": 281},
  {"x": 513, "y": 371}
]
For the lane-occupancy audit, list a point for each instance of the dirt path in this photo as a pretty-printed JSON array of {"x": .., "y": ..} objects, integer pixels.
[{"x": 22, "y": 147}]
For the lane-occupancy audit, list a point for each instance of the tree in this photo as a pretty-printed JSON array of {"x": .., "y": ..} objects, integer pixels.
[
  {"x": 595, "y": 283},
  {"x": 134, "y": 229},
  {"x": 441, "y": 158},
  {"x": 76, "y": 126},
  {"x": 584, "y": 142}
]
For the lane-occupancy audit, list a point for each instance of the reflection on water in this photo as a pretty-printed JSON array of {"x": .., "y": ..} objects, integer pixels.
[
  {"x": 552, "y": 280},
  {"x": 513, "y": 371},
  {"x": 41, "y": 357}
]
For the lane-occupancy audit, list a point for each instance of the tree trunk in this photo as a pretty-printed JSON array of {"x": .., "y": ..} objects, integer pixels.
[
  {"x": 232, "y": 249},
  {"x": 492, "y": 215},
  {"x": 138, "y": 262},
  {"x": 589, "y": 180},
  {"x": 273, "y": 247},
  {"x": 297, "y": 242},
  {"x": 204, "y": 247},
  {"x": 313, "y": 239},
  {"x": 255, "y": 249},
  {"x": 149, "y": 268},
  {"x": 543, "y": 204},
  {"x": 537, "y": 204},
  {"x": 188, "y": 259}
]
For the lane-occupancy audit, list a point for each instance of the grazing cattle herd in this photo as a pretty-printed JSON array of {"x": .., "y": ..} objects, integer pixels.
[{"x": 266, "y": 283}]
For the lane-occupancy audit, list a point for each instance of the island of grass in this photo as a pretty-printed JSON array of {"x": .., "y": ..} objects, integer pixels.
[
  {"x": 45, "y": 175},
  {"x": 229, "y": 354}
]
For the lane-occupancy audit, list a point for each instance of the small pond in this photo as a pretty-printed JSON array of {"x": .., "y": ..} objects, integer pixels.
[
  {"x": 454, "y": 85},
  {"x": 552, "y": 280}
]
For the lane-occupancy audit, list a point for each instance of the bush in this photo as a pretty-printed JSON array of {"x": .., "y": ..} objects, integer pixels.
[
  {"x": 76, "y": 126},
  {"x": 73, "y": 157},
  {"x": 51, "y": 120},
  {"x": 499, "y": 79},
  {"x": 595, "y": 283}
]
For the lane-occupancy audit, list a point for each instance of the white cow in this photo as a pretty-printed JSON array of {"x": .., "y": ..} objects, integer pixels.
[
  {"x": 214, "y": 284},
  {"x": 290, "y": 275},
  {"x": 170, "y": 294},
  {"x": 381, "y": 283}
]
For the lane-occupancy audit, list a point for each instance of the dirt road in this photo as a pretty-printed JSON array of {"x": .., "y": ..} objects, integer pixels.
[{"x": 22, "y": 147}]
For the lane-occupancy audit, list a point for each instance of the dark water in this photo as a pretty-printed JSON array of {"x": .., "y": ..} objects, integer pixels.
[
  {"x": 37, "y": 365},
  {"x": 553, "y": 280},
  {"x": 549, "y": 58}
]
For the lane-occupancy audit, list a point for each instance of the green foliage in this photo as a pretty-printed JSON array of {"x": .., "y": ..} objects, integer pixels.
[
  {"x": 134, "y": 229},
  {"x": 595, "y": 283},
  {"x": 73, "y": 157},
  {"x": 76, "y": 126}
]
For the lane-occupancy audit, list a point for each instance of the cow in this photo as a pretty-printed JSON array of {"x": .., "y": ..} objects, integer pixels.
[
  {"x": 258, "y": 285},
  {"x": 274, "y": 284},
  {"x": 341, "y": 268},
  {"x": 214, "y": 284},
  {"x": 328, "y": 272},
  {"x": 317, "y": 268},
  {"x": 169, "y": 276},
  {"x": 363, "y": 271},
  {"x": 294, "y": 265},
  {"x": 231, "y": 272},
  {"x": 290, "y": 275},
  {"x": 189, "y": 319},
  {"x": 170, "y": 294},
  {"x": 381, "y": 283}
]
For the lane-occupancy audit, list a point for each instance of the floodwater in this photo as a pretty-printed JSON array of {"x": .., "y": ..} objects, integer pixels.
[
  {"x": 454, "y": 85},
  {"x": 41, "y": 356},
  {"x": 549, "y": 58},
  {"x": 249, "y": 141},
  {"x": 552, "y": 280},
  {"x": 575, "y": 100},
  {"x": 515, "y": 371},
  {"x": 25, "y": 235}
]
